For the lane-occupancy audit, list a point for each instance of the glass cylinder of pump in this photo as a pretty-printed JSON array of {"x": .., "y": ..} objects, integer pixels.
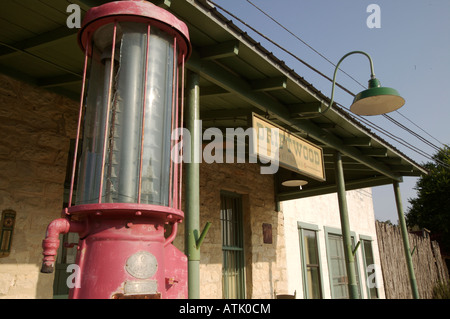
[{"x": 116, "y": 116}]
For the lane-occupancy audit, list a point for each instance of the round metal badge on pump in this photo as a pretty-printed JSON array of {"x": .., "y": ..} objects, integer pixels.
[{"x": 142, "y": 265}]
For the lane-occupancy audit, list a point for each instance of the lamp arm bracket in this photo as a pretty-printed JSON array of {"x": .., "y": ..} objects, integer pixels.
[
  {"x": 356, "y": 248},
  {"x": 199, "y": 241},
  {"x": 372, "y": 76},
  {"x": 372, "y": 72}
]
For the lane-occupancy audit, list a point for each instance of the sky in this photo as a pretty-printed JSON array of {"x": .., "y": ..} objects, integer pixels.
[{"x": 410, "y": 51}]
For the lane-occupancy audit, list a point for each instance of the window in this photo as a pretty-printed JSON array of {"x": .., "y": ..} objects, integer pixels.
[
  {"x": 310, "y": 261},
  {"x": 337, "y": 267},
  {"x": 233, "y": 280},
  {"x": 370, "y": 269}
]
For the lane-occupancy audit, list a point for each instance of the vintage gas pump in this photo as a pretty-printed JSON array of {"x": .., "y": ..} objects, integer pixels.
[{"x": 128, "y": 197}]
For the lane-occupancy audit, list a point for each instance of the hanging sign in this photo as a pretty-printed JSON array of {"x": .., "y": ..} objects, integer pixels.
[{"x": 294, "y": 153}]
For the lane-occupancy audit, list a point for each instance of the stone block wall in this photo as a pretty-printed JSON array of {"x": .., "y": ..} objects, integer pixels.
[
  {"x": 265, "y": 264},
  {"x": 35, "y": 128}
]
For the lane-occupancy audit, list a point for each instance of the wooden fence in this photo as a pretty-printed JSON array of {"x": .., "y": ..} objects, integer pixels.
[{"x": 429, "y": 266}]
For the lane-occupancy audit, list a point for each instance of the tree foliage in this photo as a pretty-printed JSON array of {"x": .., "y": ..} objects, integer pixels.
[{"x": 431, "y": 208}]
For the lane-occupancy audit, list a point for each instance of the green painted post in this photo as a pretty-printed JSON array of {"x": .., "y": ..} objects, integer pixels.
[
  {"x": 402, "y": 223},
  {"x": 345, "y": 226},
  {"x": 192, "y": 217}
]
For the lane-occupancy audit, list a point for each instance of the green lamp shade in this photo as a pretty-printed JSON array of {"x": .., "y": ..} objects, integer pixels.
[{"x": 376, "y": 100}]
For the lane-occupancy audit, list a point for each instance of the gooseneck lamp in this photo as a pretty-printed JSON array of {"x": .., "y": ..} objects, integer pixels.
[
  {"x": 128, "y": 197},
  {"x": 376, "y": 100}
]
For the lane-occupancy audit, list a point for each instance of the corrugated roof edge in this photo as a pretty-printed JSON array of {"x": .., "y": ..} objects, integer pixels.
[{"x": 257, "y": 45}]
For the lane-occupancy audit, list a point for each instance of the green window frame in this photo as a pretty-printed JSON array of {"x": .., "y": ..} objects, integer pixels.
[
  {"x": 310, "y": 261},
  {"x": 233, "y": 267},
  {"x": 368, "y": 259},
  {"x": 336, "y": 264}
]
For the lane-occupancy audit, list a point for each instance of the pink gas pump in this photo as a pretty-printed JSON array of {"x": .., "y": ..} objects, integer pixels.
[{"x": 128, "y": 197}]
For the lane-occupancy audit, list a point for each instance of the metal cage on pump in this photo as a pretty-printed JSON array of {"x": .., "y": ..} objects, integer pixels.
[{"x": 128, "y": 188}]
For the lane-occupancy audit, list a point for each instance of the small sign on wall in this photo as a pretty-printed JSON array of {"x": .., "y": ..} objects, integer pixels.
[
  {"x": 7, "y": 222},
  {"x": 267, "y": 233}
]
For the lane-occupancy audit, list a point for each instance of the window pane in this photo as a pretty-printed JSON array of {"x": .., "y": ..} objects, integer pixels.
[
  {"x": 368, "y": 255},
  {"x": 339, "y": 278},
  {"x": 311, "y": 264},
  {"x": 313, "y": 278},
  {"x": 310, "y": 241},
  {"x": 232, "y": 247},
  {"x": 5, "y": 241},
  {"x": 368, "y": 252}
]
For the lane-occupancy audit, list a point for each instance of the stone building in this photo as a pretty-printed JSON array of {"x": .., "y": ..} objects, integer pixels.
[{"x": 263, "y": 234}]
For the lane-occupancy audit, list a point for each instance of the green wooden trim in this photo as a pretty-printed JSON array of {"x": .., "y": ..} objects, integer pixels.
[
  {"x": 231, "y": 248},
  {"x": 375, "y": 152},
  {"x": 305, "y": 226},
  {"x": 219, "y": 51},
  {"x": 305, "y": 108},
  {"x": 357, "y": 141},
  {"x": 192, "y": 209},
  {"x": 363, "y": 252},
  {"x": 337, "y": 231},
  {"x": 40, "y": 41},
  {"x": 162, "y": 3},
  {"x": 326, "y": 189},
  {"x": 366, "y": 237},
  {"x": 269, "y": 84},
  {"x": 238, "y": 249}
]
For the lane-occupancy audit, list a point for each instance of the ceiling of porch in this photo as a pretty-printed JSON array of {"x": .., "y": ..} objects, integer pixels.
[{"x": 238, "y": 77}]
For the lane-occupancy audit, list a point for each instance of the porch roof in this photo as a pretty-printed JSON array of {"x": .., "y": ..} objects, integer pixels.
[{"x": 238, "y": 77}]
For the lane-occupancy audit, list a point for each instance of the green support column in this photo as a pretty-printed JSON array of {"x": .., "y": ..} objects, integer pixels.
[
  {"x": 402, "y": 223},
  {"x": 345, "y": 226},
  {"x": 192, "y": 217}
]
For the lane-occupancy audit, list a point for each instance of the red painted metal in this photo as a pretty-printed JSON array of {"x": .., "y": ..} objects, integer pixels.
[
  {"x": 173, "y": 125},
  {"x": 112, "y": 233},
  {"x": 80, "y": 113},
  {"x": 181, "y": 137},
  {"x": 177, "y": 165},
  {"x": 124, "y": 250},
  {"x": 51, "y": 242},
  {"x": 137, "y": 11},
  {"x": 171, "y": 214}
]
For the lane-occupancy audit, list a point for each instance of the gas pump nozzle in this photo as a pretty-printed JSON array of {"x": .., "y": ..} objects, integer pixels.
[{"x": 51, "y": 242}]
